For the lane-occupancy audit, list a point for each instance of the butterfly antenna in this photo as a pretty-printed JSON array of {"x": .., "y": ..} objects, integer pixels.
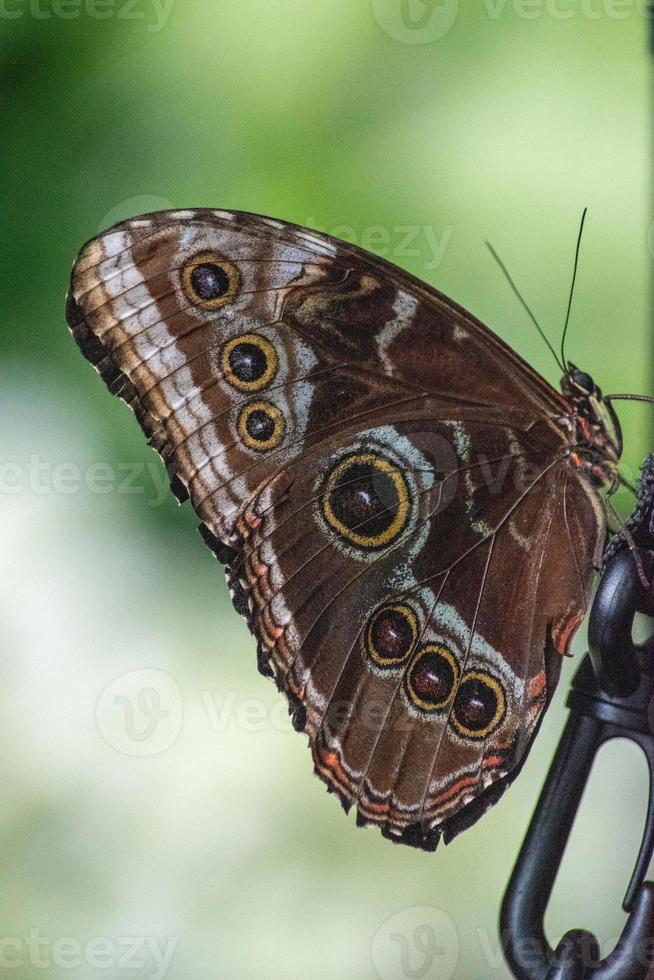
[
  {"x": 572, "y": 286},
  {"x": 619, "y": 397},
  {"x": 524, "y": 303}
]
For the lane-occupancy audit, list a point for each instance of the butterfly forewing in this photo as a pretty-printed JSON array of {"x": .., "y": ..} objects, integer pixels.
[{"x": 390, "y": 485}]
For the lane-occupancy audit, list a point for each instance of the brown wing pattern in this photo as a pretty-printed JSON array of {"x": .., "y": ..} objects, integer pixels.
[
  {"x": 390, "y": 485},
  {"x": 475, "y": 600}
]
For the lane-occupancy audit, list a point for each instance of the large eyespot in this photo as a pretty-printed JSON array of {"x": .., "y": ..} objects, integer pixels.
[
  {"x": 391, "y": 635},
  {"x": 249, "y": 362},
  {"x": 210, "y": 281},
  {"x": 261, "y": 426},
  {"x": 432, "y": 677},
  {"x": 480, "y": 705},
  {"x": 366, "y": 500}
]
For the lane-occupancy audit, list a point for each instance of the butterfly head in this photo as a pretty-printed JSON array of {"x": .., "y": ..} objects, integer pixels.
[
  {"x": 586, "y": 397},
  {"x": 597, "y": 425},
  {"x": 577, "y": 384}
]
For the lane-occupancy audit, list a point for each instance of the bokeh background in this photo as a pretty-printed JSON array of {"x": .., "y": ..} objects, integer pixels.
[{"x": 151, "y": 786}]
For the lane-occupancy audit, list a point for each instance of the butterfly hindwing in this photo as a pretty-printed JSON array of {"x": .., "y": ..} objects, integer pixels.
[{"x": 421, "y": 645}]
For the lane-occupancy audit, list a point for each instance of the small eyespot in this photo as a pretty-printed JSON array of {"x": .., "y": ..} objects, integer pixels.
[
  {"x": 432, "y": 677},
  {"x": 210, "y": 281},
  {"x": 261, "y": 426},
  {"x": 366, "y": 500},
  {"x": 249, "y": 362},
  {"x": 391, "y": 635},
  {"x": 479, "y": 707}
]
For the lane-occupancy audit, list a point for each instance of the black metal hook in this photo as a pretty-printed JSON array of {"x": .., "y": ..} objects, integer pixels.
[{"x": 612, "y": 696}]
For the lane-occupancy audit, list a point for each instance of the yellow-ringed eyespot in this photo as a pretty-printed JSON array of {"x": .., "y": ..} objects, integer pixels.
[
  {"x": 479, "y": 706},
  {"x": 432, "y": 677},
  {"x": 210, "y": 281},
  {"x": 261, "y": 426},
  {"x": 366, "y": 500},
  {"x": 391, "y": 635},
  {"x": 249, "y": 362}
]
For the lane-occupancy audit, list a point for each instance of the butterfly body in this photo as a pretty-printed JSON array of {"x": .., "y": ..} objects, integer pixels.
[
  {"x": 409, "y": 514},
  {"x": 596, "y": 429}
]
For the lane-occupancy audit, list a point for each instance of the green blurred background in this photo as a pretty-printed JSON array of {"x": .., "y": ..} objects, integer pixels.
[{"x": 151, "y": 785}]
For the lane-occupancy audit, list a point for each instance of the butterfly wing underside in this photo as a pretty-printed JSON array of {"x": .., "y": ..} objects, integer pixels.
[{"x": 388, "y": 484}]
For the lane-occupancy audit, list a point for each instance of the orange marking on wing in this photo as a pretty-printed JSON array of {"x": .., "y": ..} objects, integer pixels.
[
  {"x": 331, "y": 764},
  {"x": 562, "y": 642},
  {"x": 490, "y": 762},
  {"x": 456, "y": 788},
  {"x": 269, "y": 628},
  {"x": 382, "y": 809},
  {"x": 537, "y": 685}
]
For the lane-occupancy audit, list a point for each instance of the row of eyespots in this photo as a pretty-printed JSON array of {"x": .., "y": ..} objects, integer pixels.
[
  {"x": 366, "y": 500},
  {"x": 432, "y": 676},
  {"x": 249, "y": 362}
]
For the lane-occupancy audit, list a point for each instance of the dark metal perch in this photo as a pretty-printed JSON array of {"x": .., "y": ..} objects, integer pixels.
[{"x": 612, "y": 696}]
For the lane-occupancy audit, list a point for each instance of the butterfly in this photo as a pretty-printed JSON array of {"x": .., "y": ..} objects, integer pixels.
[{"x": 410, "y": 516}]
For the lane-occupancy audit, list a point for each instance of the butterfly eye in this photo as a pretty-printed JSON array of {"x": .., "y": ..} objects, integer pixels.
[
  {"x": 583, "y": 381},
  {"x": 479, "y": 707},
  {"x": 210, "y": 281},
  {"x": 391, "y": 635},
  {"x": 249, "y": 362},
  {"x": 261, "y": 426},
  {"x": 432, "y": 677},
  {"x": 366, "y": 500}
]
